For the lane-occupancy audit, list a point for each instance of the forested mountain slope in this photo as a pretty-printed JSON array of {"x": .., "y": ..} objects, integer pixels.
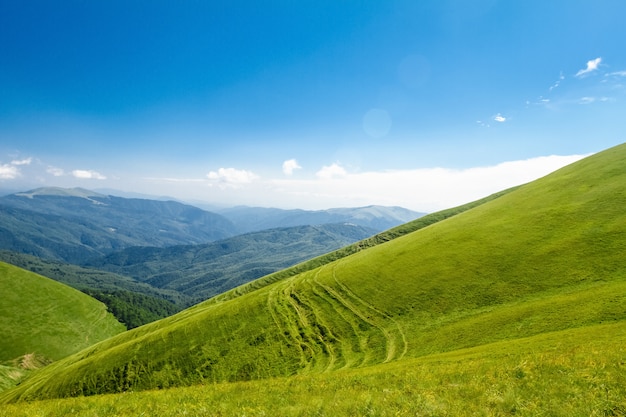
[
  {"x": 202, "y": 271},
  {"x": 75, "y": 224}
]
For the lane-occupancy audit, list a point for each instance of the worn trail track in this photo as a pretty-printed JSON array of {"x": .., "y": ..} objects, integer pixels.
[{"x": 332, "y": 327}]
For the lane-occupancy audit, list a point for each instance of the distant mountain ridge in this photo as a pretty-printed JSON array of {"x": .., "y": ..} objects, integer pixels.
[
  {"x": 250, "y": 219},
  {"x": 75, "y": 224}
]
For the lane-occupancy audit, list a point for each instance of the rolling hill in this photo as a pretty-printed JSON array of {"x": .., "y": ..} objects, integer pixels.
[
  {"x": 132, "y": 303},
  {"x": 519, "y": 290},
  {"x": 44, "y": 320},
  {"x": 48, "y": 318}
]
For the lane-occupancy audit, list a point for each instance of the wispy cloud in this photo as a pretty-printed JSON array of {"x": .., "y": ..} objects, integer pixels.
[
  {"x": 87, "y": 174},
  {"x": 616, "y": 74},
  {"x": 231, "y": 177},
  {"x": 54, "y": 171},
  {"x": 496, "y": 118},
  {"x": 558, "y": 82},
  {"x": 19, "y": 162},
  {"x": 582, "y": 91},
  {"x": 290, "y": 165},
  {"x": 592, "y": 66},
  {"x": 589, "y": 100},
  {"x": 586, "y": 100},
  {"x": 499, "y": 118}
]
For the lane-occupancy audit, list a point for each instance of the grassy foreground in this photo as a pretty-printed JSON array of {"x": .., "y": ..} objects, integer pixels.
[{"x": 576, "y": 372}]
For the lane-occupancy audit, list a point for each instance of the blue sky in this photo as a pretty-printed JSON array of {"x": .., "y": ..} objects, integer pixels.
[{"x": 309, "y": 104}]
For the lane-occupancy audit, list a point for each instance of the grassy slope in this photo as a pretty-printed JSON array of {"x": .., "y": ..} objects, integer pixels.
[
  {"x": 348, "y": 250},
  {"x": 576, "y": 372},
  {"x": 545, "y": 257},
  {"x": 42, "y": 320},
  {"x": 43, "y": 316}
]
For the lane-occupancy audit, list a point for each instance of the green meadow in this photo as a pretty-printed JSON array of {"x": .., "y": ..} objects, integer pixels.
[
  {"x": 42, "y": 320},
  {"x": 576, "y": 372},
  {"x": 514, "y": 306}
]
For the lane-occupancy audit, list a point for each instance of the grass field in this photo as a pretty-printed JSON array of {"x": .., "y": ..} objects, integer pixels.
[
  {"x": 515, "y": 306},
  {"x": 42, "y": 320},
  {"x": 39, "y": 315},
  {"x": 576, "y": 372}
]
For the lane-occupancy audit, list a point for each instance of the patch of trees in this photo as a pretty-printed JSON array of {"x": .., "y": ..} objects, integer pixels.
[{"x": 133, "y": 309}]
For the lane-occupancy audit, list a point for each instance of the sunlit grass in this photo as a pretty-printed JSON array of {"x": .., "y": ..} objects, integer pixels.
[{"x": 577, "y": 372}]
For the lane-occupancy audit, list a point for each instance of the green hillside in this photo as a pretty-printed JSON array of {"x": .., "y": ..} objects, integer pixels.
[
  {"x": 42, "y": 320},
  {"x": 503, "y": 276},
  {"x": 39, "y": 315},
  {"x": 132, "y": 303}
]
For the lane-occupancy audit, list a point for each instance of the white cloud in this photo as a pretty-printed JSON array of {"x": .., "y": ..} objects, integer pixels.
[
  {"x": 8, "y": 172},
  {"x": 499, "y": 118},
  {"x": 332, "y": 171},
  {"x": 26, "y": 161},
  {"x": 11, "y": 170},
  {"x": 88, "y": 174},
  {"x": 57, "y": 172},
  {"x": 591, "y": 66},
  {"x": 428, "y": 189},
  {"x": 616, "y": 74},
  {"x": 425, "y": 189},
  {"x": 231, "y": 177},
  {"x": 289, "y": 166}
]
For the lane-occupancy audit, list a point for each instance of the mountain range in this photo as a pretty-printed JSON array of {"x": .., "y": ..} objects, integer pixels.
[
  {"x": 379, "y": 218},
  {"x": 74, "y": 225}
]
